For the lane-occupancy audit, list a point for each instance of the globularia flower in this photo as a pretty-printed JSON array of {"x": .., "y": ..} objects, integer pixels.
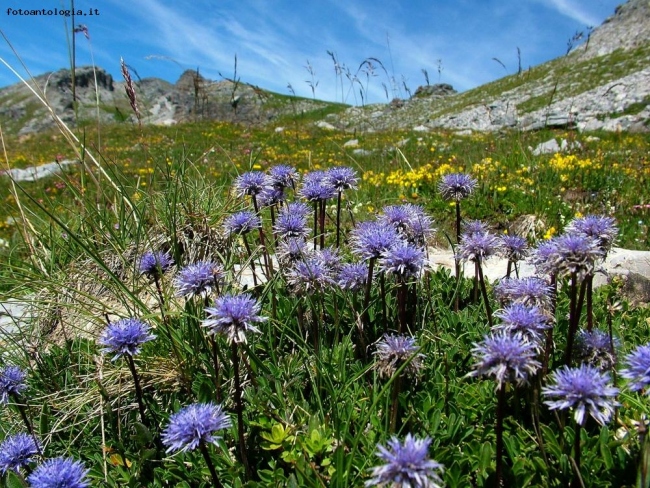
[
  {"x": 291, "y": 224},
  {"x": 531, "y": 291},
  {"x": 195, "y": 424},
  {"x": 234, "y": 316},
  {"x": 406, "y": 465},
  {"x": 316, "y": 187},
  {"x": 125, "y": 337},
  {"x": 251, "y": 183},
  {"x": 637, "y": 369},
  {"x": 595, "y": 348},
  {"x": 309, "y": 275},
  {"x": 393, "y": 351},
  {"x": 471, "y": 227},
  {"x": 59, "y": 472},
  {"x": 530, "y": 321},
  {"x": 292, "y": 249},
  {"x": 271, "y": 196},
  {"x": 12, "y": 382},
  {"x": 514, "y": 248},
  {"x": 242, "y": 222},
  {"x": 478, "y": 247},
  {"x": 575, "y": 253},
  {"x": 198, "y": 279},
  {"x": 155, "y": 263},
  {"x": 544, "y": 257},
  {"x": 329, "y": 257},
  {"x": 283, "y": 176},
  {"x": 17, "y": 451},
  {"x": 342, "y": 178},
  {"x": 456, "y": 186},
  {"x": 371, "y": 239},
  {"x": 505, "y": 357},
  {"x": 353, "y": 276},
  {"x": 403, "y": 260},
  {"x": 298, "y": 208},
  {"x": 585, "y": 390},
  {"x": 410, "y": 221},
  {"x": 599, "y": 227}
]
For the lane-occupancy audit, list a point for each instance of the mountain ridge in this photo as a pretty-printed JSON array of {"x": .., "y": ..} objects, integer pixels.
[{"x": 601, "y": 84}]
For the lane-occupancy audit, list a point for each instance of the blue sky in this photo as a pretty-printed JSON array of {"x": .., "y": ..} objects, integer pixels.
[{"x": 275, "y": 40}]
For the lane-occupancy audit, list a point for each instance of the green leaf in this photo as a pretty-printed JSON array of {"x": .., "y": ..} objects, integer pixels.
[
  {"x": 142, "y": 434},
  {"x": 15, "y": 481},
  {"x": 485, "y": 457}
]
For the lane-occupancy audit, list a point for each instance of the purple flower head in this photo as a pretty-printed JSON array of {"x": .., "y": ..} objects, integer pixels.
[
  {"x": 193, "y": 425},
  {"x": 456, "y": 186},
  {"x": 353, "y": 276},
  {"x": 59, "y": 472},
  {"x": 251, "y": 183},
  {"x": 393, "y": 351},
  {"x": 292, "y": 249},
  {"x": 514, "y": 248},
  {"x": 478, "y": 247},
  {"x": 471, "y": 227},
  {"x": 371, "y": 239},
  {"x": 271, "y": 196},
  {"x": 599, "y": 227},
  {"x": 198, "y": 279},
  {"x": 402, "y": 260},
  {"x": 283, "y": 176},
  {"x": 342, "y": 178},
  {"x": 529, "y": 321},
  {"x": 155, "y": 263},
  {"x": 309, "y": 275},
  {"x": 575, "y": 253},
  {"x": 595, "y": 348},
  {"x": 406, "y": 465},
  {"x": 583, "y": 389},
  {"x": 330, "y": 258},
  {"x": 637, "y": 369},
  {"x": 410, "y": 221},
  {"x": 298, "y": 208},
  {"x": 12, "y": 382},
  {"x": 242, "y": 222},
  {"x": 544, "y": 257},
  {"x": 532, "y": 291},
  {"x": 17, "y": 451},
  {"x": 233, "y": 316},
  {"x": 316, "y": 187},
  {"x": 125, "y": 337},
  {"x": 507, "y": 358},
  {"x": 290, "y": 224}
]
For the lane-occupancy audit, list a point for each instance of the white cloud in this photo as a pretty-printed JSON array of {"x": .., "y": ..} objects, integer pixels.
[{"x": 574, "y": 11}]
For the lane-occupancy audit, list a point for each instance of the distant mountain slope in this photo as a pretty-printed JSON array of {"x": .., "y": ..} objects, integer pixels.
[
  {"x": 602, "y": 84},
  {"x": 191, "y": 98}
]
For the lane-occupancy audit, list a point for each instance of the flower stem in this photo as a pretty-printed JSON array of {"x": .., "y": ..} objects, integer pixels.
[
  {"x": 486, "y": 300},
  {"x": 501, "y": 404},
  {"x": 208, "y": 461},
  {"x": 138, "y": 389},
  {"x": 240, "y": 411},
  {"x": 338, "y": 219}
]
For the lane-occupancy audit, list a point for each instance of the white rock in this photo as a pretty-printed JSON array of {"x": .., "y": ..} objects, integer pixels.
[
  {"x": 37, "y": 172},
  {"x": 352, "y": 143},
  {"x": 325, "y": 125}
]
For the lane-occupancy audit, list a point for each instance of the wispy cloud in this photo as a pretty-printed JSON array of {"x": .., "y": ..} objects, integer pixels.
[{"x": 574, "y": 11}]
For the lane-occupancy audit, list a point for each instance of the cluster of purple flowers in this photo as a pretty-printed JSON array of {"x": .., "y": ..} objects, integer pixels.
[
  {"x": 17, "y": 451},
  {"x": 154, "y": 263},
  {"x": 193, "y": 425},
  {"x": 233, "y": 316},
  {"x": 393, "y": 351},
  {"x": 125, "y": 337},
  {"x": 12, "y": 382},
  {"x": 406, "y": 465},
  {"x": 59, "y": 472},
  {"x": 198, "y": 279}
]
